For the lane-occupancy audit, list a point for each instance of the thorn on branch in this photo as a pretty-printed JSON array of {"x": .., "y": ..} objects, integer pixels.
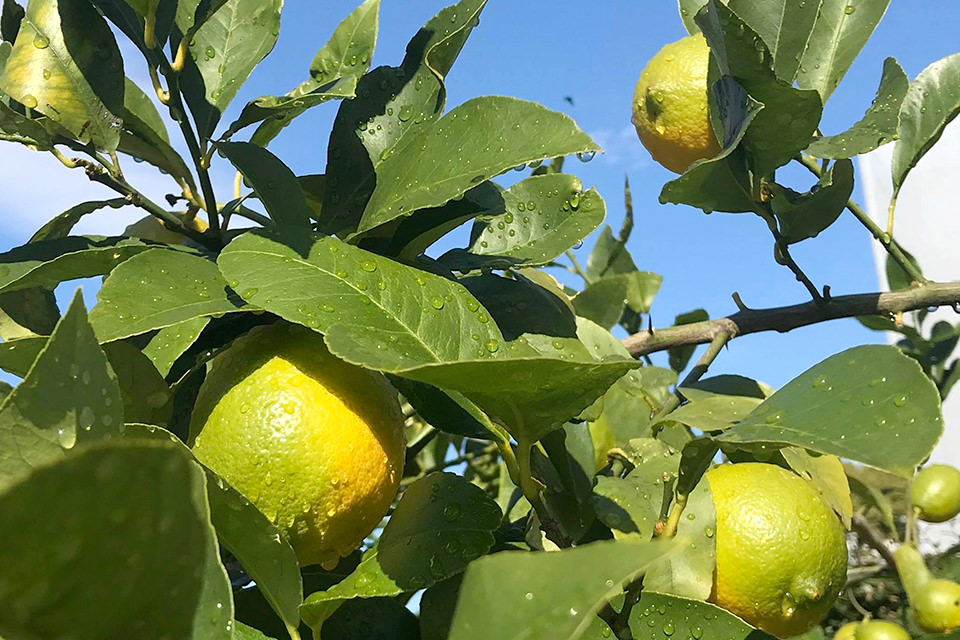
[
  {"x": 826, "y": 293},
  {"x": 739, "y": 302}
]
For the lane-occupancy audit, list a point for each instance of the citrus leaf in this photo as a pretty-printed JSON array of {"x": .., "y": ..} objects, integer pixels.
[
  {"x": 275, "y": 184},
  {"x": 68, "y": 395},
  {"x": 106, "y": 581},
  {"x": 171, "y": 342},
  {"x": 603, "y": 301},
  {"x": 333, "y": 74},
  {"x": 869, "y": 404},
  {"x": 11, "y": 17},
  {"x": 510, "y": 302},
  {"x": 407, "y": 316},
  {"x": 687, "y": 618},
  {"x": 146, "y": 396},
  {"x": 826, "y": 474},
  {"x": 62, "y": 225},
  {"x": 393, "y": 105},
  {"x": 436, "y": 608},
  {"x": 805, "y": 215},
  {"x": 48, "y": 263},
  {"x": 27, "y": 312},
  {"x": 679, "y": 357},
  {"x": 841, "y": 30},
  {"x": 931, "y": 103},
  {"x": 372, "y": 618},
  {"x": 726, "y": 385},
  {"x": 66, "y": 65},
  {"x": 17, "y": 355},
  {"x": 243, "y": 632},
  {"x": 879, "y": 124},
  {"x": 120, "y": 13},
  {"x": 543, "y": 217},
  {"x": 441, "y": 524},
  {"x": 790, "y": 116},
  {"x": 455, "y": 154},
  {"x": 159, "y": 289},
  {"x": 449, "y": 411},
  {"x": 224, "y": 50},
  {"x": 243, "y": 530},
  {"x": 689, "y": 572},
  {"x": 713, "y": 413},
  {"x": 720, "y": 183},
  {"x": 494, "y": 602},
  {"x": 629, "y": 403},
  {"x": 609, "y": 256}
]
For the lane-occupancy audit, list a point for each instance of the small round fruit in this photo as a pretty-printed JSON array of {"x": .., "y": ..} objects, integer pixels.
[
  {"x": 935, "y": 491},
  {"x": 151, "y": 228},
  {"x": 781, "y": 550},
  {"x": 670, "y": 105},
  {"x": 936, "y": 606},
  {"x": 871, "y": 630},
  {"x": 315, "y": 443},
  {"x": 847, "y": 631}
]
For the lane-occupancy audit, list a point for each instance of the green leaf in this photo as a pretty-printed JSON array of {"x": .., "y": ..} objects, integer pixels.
[
  {"x": 146, "y": 396},
  {"x": 609, "y": 256},
  {"x": 266, "y": 557},
  {"x": 75, "y": 575},
  {"x": 436, "y": 608},
  {"x": 333, "y": 74},
  {"x": 455, "y": 154},
  {"x": 27, "y": 312},
  {"x": 441, "y": 524},
  {"x": 17, "y": 355},
  {"x": 372, "y": 618},
  {"x": 14, "y": 126},
  {"x": 689, "y": 573},
  {"x": 120, "y": 13},
  {"x": 826, "y": 473},
  {"x": 725, "y": 385},
  {"x": 720, "y": 183},
  {"x": 629, "y": 403},
  {"x": 415, "y": 317},
  {"x": 62, "y": 225},
  {"x": 223, "y": 52},
  {"x": 158, "y": 289},
  {"x": 10, "y": 18},
  {"x": 869, "y": 404},
  {"x": 449, "y": 411},
  {"x": 680, "y": 356},
  {"x": 48, "y": 263},
  {"x": 714, "y": 413},
  {"x": 275, "y": 184},
  {"x": 805, "y": 215},
  {"x": 144, "y": 8},
  {"x": 171, "y": 342},
  {"x": 243, "y": 632},
  {"x": 879, "y": 124},
  {"x": 931, "y": 103},
  {"x": 66, "y": 65},
  {"x": 603, "y": 301},
  {"x": 687, "y": 618},
  {"x": 897, "y": 278},
  {"x": 841, "y": 30},
  {"x": 494, "y": 602},
  {"x": 393, "y": 106},
  {"x": 511, "y": 302},
  {"x": 543, "y": 217},
  {"x": 631, "y": 505},
  {"x": 69, "y": 395},
  {"x": 790, "y": 116}
]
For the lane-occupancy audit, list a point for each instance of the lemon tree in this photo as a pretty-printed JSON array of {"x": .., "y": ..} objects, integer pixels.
[{"x": 290, "y": 414}]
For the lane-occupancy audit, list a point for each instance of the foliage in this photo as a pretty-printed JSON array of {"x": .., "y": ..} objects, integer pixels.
[{"x": 515, "y": 382}]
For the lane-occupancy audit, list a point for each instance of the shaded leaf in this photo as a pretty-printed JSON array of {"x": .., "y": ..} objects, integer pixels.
[
  {"x": 66, "y": 65},
  {"x": 151, "y": 293},
  {"x": 727, "y": 385},
  {"x": 879, "y": 124},
  {"x": 688, "y": 618},
  {"x": 171, "y": 342},
  {"x": 68, "y": 395},
  {"x": 511, "y": 304},
  {"x": 680, "y": 356},
  {"x": 931, "y": 103},
  {"x": 362, "y": 619},
  {"x": 841, "y": 30},
  {"x": 629, "y": 404},
  {"x": 805, "y": 215},
  {"x": 27, "y": 312},
  {"x": 603, "y": 301},
  {"x": 897, "y": 278},
  {"x": 441, "y": 524},
  {"x": 144, "y": 135},
  {"x": 17, "y": 355},
  {"x": 609, "y": 256},
  {"x": 275, "y": 184},
  {"x": 494, "y": 604},
  {"x": 436, "y": 608},
  {"x": 10, "y": 19},
  {"x": 100, "y": 577},
  {"x": 449, "y": 411},
  {"x": 63, "y": 224},
  {"x": 713, "y": 413},
  {"x": 146, "y": 396},
  {"x": 869, "y": 404}
]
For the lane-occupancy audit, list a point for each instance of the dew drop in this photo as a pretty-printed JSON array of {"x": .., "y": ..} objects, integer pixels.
[
  {"x": 368, "y": 265},
  {"x": 436, "y": 302}
]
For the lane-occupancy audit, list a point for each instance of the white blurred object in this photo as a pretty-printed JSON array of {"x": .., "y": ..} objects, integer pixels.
[{"x": 928, "y": 226}]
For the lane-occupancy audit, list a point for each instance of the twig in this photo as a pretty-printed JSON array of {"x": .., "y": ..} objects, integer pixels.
[
  {"x": 577, "y": 269},
  {"x": 716, "y": 344},
  {"x": 884, "y": 239},
  {"x": 872, "y": 537},
  {"x": 785, "y": 319}
]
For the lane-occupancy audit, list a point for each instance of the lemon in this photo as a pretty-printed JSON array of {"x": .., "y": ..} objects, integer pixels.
[
  {"x": 935, "y": 491},
  {"x": 670, "y": 105},
  {"x": 603, "y": 439},
  {"x": 871, "y": 630},
  {"x": 151, "y": 228},
  {"x": 781, "y": 550},
  {"x": 936, "y": 606},
  {"x": 315, "y": 443}
]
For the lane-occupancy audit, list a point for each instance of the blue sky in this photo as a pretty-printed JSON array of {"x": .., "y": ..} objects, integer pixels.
[{"x": 543, "y": 51}]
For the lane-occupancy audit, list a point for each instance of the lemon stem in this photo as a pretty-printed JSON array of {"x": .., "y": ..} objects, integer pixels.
[
  {"x": 293, "y": 632},
  {"x": 673, "y": 520},
  {"x": 528, "y": 484}
]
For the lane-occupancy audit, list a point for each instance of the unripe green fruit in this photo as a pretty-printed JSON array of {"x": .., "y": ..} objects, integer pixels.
[
  {"x": 871, "y": 630},
  {"x": 936, "y": 606},
  {"x": 936, "y": 492}
]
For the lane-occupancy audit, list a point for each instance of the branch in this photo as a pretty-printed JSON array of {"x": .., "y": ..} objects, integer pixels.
[
  {"x": 785, "y": 319},
  {"x": 873, "y": 538}
]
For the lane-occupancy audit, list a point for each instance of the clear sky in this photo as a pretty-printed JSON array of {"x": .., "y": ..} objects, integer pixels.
[{"x": 593, "y": 51}]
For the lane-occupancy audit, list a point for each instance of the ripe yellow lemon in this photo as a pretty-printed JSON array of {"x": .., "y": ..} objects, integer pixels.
[
  {"x": 315, "y": 443},
  {"x": 871, "y": 630},
  {"x": 670, "y": 105},
  {"x": 936, "y": 606},
  {"x": 781, "y": 550},
  {"x": 935, "y": 491},
  {"x": 151, "y": 228}
]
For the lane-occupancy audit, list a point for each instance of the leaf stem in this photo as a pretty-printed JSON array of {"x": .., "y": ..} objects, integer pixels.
[
  {"x": 782, "y": 252},
  {"x": 891, "y": 210},
  {"x": 886, "y": 240},
  {"x": 577, "y": 269},
  {"x": 673, "y": 520},
  {"x": 528, "y": 484},
  {"x": 716, "y": 345}
]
